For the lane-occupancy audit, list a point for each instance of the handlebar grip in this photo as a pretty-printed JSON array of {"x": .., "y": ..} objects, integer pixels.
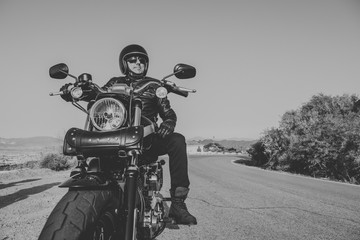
[
  {"x": 187, "y": 89},
  {"x": 179, "y": 92}
]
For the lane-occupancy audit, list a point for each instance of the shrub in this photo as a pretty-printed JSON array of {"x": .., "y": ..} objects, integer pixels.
[
  {"x": 30, "y": 164},
  {"x": 321, "y": 138},
  {"x": 57, "y": 162},
  {"x": 258, "y": 154}
]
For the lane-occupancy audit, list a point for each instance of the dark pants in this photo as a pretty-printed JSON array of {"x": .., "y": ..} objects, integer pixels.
[{"x": 175, "y": 146}]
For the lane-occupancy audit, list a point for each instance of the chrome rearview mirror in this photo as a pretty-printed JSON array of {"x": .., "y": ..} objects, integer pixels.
[
  {"x": 184, "y": 71},
  {"x": 59, "y": 71}
]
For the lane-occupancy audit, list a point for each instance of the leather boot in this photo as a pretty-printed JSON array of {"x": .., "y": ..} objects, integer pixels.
[{"x": 178, "y": 210}]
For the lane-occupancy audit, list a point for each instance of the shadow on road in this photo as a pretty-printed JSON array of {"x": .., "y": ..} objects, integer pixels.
[
  {"x": 23, "y": 194},
  {"x": 244, "y": 161},
  {"x": 2, "y": 186}
]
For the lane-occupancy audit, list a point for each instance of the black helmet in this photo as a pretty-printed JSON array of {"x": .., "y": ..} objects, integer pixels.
[{"x": 130, "y": 51}]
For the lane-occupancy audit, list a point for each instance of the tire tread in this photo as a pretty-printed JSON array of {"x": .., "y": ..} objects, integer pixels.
[{"x": 75, "y": 212}]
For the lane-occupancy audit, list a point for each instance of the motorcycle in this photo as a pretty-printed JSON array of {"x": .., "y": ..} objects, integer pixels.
[{"x": 114, "y": 192}]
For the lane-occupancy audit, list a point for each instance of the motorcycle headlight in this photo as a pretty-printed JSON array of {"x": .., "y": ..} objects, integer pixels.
[{"x": 107, "y": 114}]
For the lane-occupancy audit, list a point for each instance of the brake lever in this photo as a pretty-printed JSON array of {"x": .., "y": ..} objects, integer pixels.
[
  {"x": 173, "y": 85},
  {"x": 56, "y": 93},
  {"x": 187, "y": 89}
]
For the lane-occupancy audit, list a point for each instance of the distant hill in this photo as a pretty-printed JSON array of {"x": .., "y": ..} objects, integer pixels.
[
  {"x": 237, "y": 144},
  {"x": 29, "y": 143},
  {"x": 37, "y": 143},
  {"x": 219, "y": 139}
]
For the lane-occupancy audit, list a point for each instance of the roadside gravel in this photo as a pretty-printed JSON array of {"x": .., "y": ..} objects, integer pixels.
[{"x": 27, "y": 197}]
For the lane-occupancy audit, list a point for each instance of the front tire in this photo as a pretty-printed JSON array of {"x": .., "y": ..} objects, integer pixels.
[{"x": 82, "y": 215}]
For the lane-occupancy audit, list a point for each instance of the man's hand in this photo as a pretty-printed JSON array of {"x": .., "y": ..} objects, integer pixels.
[
  {"x": 65, "y": 89},
  {"x": 167, "y": 127}
]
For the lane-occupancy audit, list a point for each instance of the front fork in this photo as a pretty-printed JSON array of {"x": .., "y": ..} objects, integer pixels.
[
  {"x": 131, "y": 178},
  {"x": 131, "y": 188}
]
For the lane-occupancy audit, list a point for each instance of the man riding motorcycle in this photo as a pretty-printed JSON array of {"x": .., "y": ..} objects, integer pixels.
[{"x": 134, "y": 63}]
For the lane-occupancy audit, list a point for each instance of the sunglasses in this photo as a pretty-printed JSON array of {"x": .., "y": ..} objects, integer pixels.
[{"x": 135, "y": 59}]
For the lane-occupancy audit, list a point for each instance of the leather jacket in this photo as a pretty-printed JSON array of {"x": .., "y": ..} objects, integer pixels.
[{"x": 152, "y": 105}]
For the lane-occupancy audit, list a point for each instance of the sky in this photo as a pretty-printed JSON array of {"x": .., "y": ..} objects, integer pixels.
[{"x": 255, "y": 59}]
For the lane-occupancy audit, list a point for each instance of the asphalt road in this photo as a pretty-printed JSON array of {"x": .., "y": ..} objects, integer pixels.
[
  {"x": 230, "y": 201},
  {"x": 233, "y": 201}
]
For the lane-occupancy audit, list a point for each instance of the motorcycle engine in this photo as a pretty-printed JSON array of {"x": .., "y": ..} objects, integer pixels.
[{"x": 153, "y": 222}]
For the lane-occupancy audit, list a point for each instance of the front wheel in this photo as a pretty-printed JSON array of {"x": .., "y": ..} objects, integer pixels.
[{"x": 83, "y": 215}]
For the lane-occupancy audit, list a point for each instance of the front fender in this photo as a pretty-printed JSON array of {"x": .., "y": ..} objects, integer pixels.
[{"x": 93, "y": 181}]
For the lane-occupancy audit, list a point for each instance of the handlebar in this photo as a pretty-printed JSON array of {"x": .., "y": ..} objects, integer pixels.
[{"x": 184, "y": 92}]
